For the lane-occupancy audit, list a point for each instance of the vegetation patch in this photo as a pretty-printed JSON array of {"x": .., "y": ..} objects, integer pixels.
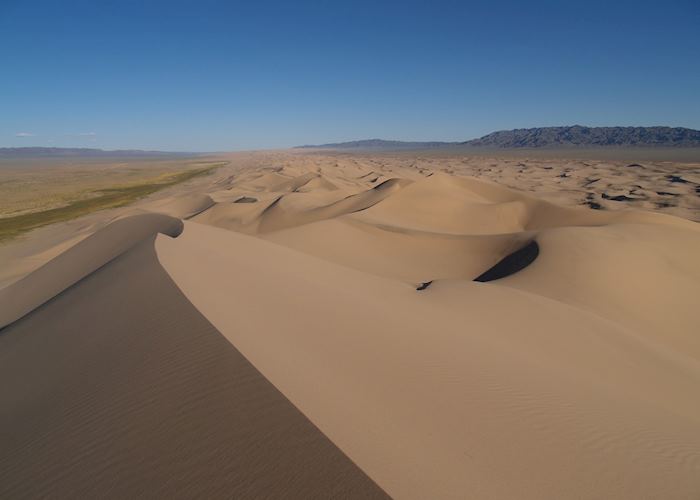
[{"x": 120, "y": 196}]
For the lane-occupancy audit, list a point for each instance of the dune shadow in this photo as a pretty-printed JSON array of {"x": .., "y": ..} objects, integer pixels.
[
  {"x": 511, "y": 264},
  {"x": 246, "y": 199}
]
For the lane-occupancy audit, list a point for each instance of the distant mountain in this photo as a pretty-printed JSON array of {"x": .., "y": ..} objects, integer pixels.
[
  {"x": 38, "y": 152},
  {"x": 577, "y": 135},
  {"x": 543, "y": 137},
  {"x": 381, "y": 144}
]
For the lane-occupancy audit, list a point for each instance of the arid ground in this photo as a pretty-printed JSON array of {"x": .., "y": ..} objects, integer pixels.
[{"x": 320, "y": 324}]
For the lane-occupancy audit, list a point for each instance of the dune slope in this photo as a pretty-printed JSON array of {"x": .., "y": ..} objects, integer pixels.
[
  {"x": 119, "y": 388},
  {"x": 461, "y": 387},
  {"x": 79, "y": 261}
]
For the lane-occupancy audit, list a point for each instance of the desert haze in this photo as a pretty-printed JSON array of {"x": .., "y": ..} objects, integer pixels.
[{"x": 334, "y": 324}]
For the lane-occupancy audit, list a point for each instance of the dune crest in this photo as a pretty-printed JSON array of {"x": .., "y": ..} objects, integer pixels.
[
  {"x": 136, "y": 395},
  {"x": 79, "y": 261}
]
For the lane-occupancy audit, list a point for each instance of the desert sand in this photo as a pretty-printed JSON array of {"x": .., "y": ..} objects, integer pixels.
[{"x": 308, "y": 325}]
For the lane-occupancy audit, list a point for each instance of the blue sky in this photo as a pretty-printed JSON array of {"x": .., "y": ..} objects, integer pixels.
[{"x": 225, "y": 75}]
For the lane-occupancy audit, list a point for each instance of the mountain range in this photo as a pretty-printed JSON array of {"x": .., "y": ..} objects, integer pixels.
[
  {"x": 540, "y": 137},
  {"x": 543, "y": 137}
]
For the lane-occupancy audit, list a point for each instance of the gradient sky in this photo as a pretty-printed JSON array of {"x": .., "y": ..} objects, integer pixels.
[{"x": 206, "y": 75}]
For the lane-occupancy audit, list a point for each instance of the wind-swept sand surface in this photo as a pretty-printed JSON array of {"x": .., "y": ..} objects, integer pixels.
[
  {"x": 120, "y": 388},
  {"x": 313, "y": 329}
]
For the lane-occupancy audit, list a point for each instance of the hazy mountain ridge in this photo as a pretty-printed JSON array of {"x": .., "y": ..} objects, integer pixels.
[
  {"x": 542, "y": 137},
  {"x": 381, "y": 144},
  {"x": 578, "y": 135},
  {"x": 31, "y": 152}
]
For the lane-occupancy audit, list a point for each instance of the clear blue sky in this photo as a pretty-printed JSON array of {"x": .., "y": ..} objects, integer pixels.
[{"x": 206, "y": 75}]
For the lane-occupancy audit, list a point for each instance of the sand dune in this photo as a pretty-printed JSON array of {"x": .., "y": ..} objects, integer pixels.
[
  {"x": 119, "y": 388},
  {"x": 634, "y": 274},
  {"x": 293, "y": 209},
  {"x": 409, "y": 255},
  {"x": 460, "y": 385},
  {"x": 79, "y": 261},
  {"x": 316, "y": 331},
  {"x": 182, "y": 207},
  {"x": 278, "y": 216}
]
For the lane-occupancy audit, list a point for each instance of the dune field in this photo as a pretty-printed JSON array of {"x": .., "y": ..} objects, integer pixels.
[{"x": 315, "y": 324}]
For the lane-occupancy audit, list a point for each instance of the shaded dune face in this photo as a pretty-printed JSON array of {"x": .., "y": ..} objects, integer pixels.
[
  {"x": 79, "y": 261},
  {"x": 119, "y": 388},
  {"x": 512, "y": 263}
]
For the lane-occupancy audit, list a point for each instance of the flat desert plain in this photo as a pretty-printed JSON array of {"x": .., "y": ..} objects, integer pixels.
[{"x": 318, "y": 324}]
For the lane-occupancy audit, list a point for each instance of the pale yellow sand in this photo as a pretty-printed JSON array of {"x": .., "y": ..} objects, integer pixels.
[
  {"x": 576, "y": 377},
  {"x": 462, "y": 389},
  {"x": 119, "y": 388}
]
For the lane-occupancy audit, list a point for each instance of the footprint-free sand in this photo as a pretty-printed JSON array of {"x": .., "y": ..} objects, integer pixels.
[{"x": 308, "y": 325}]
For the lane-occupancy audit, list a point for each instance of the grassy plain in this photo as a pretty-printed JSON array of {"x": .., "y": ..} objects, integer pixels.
[{"x": 36, "y": 194}]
